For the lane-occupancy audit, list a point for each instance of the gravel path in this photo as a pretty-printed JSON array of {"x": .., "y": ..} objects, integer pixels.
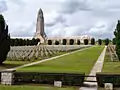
[{"x": 96, "y": 68}]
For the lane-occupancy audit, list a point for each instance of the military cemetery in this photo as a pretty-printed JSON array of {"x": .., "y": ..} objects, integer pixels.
[{"x": 79, "y": 62}]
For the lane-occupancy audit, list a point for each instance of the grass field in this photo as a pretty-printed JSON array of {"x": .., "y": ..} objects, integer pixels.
[
  {"x": 37, "y": 87},
  {"x": 78, "y": 62},
  {"x": 10, "y": 64},
  {"x": 109, "y": 66}
]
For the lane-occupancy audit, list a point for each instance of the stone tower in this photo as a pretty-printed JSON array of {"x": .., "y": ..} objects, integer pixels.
[{"x": 40, "y": 34}]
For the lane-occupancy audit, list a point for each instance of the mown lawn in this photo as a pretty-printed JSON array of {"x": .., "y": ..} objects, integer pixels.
[
  {"x": 78, "y": 62},
  {"x": 11, "y": 64},
  {"x": 109, "y": 66},
  {"x": 7, "y": 64},
  {"x": 37, "y": 87}
]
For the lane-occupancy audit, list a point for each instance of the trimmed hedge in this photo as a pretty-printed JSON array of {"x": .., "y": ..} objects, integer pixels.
[
  {"x": 108, "y": 78},
  {"x": 48, "y": 78}
]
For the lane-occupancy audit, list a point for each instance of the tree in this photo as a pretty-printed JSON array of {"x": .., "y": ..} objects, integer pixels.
[
  {"x": 71, "y": 41},
  {"x": 49, "y": 42},
  {"x": 20, "y": 42},
  {"x": 4, "y": 40},
  {"x": 78, "y": 42},
  {"x": 56, "y": 42},
  {"x": 99, "y": 41},
  {"x": 33, "y": 41},
  {"x": 117, "y": 37},
  {"x": 11, "y": 42},
  {"x": 107, "y": 41},
  {"x": 27, "y": 42},
  {"x": 114, "y": 41},
  {"x": 85, "y": 41},
  {"x": 64, "y": 42},
  {"x": 92, "y": 41}
]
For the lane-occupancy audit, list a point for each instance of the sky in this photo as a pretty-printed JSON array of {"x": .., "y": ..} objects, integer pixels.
[{"x": 97, "y": 18}]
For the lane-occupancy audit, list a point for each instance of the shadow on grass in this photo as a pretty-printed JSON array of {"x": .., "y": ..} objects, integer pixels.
[
  {"x": 4, "y": 65},
  {"x": 11, "y": 64}
]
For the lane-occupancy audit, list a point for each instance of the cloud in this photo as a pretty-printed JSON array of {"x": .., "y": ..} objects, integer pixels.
[
  {"x": 20, "y": 3},
  {"x": 23, "y": 30},
  {"x": 3, "y": 6},
  {"x": 72, "y": 6},
  {"x": 55, "y": 20},
  {"x": 62, "y": 17}
]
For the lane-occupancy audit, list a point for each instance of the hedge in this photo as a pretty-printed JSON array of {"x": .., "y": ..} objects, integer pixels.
[
  {"x": 48, "y": 78},
  {"x": 108, "y": 78}
]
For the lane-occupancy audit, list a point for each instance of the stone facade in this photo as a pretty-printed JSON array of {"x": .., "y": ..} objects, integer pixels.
[{"x": 75, "y": 38}]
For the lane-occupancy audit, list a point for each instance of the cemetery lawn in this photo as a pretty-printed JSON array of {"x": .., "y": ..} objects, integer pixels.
[
  {"x": 7, "y": 64},
  {"x": 77, "y": 62},
  {"x": 11, "y": 64},
  {"x": 37, "y": 87},
  {"x": 109, "y": 66}
]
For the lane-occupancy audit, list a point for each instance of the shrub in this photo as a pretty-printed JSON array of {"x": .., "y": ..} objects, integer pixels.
[
  {"x": 108, "y": 78},
  {"x": 92, "y": 41},
  {"x": 48, "y": 78},
  {"x": 106, "y": 41},
  {"x": 99, "y": 41},
  {"x": 114, "y": 41}
]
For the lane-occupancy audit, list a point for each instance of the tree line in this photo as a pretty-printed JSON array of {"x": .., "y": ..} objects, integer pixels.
[{"x": 23, "y": 42}]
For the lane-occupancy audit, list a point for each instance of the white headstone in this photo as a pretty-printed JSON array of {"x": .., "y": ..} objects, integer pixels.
[
  {"x": 57, "y": 83},
  {"x": 108, "y": 86}
]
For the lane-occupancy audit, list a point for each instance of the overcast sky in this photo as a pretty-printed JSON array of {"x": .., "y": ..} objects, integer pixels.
[{"x": 96, "y": 18}]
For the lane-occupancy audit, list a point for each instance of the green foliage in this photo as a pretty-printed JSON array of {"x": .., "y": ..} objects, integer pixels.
[
  {"x": 64, "y": 42},
  {"x": 78, "y": 42},
  {"x": 23, "y": 42},
  {"x": 107, "y": 41},
  {"x": 92, "y": 41},
  {"x": 85, "y": 41},
  {"x": 4, "y": 40},
  {"x": 99, "y": 41},
  {"x": 48, "y": 78},
  {"x": 2, "y": 23},
  {"x": 103, "y": 78},
  {"x": 114, "y": 41},
  {"x": 71, "y": 42},
  {"x": 117, "y": 37},
  {"x": 56, "y": 42},
  {"x": 49, "y": 42}
]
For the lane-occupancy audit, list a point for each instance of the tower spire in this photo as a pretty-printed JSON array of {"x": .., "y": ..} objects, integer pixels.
[
  {"x": 40, "y": 34},
  {"x": 40, "y": 12}
]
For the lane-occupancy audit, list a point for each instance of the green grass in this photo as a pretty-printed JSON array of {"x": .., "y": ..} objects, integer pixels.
[
  {"x": 78, "y": 62},
  {"x": 109, "y": 66},
  {"x": 11, "y": 64},
  {"x": 37, "y": 87}
]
